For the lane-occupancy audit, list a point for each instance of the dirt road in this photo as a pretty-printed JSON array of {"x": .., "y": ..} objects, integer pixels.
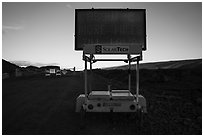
[{"x": 46, "y": 106}]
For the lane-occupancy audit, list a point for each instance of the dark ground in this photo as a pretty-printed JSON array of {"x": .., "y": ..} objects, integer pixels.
[{"x": 47, "y": 105}]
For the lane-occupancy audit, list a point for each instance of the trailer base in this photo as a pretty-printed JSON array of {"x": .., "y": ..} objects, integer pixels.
[{"x": 115, "y": 101}]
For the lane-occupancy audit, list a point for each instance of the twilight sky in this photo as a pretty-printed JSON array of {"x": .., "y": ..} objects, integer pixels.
[{"x": 44, "y": 32}]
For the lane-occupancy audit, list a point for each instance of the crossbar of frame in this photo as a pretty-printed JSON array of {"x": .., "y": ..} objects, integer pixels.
[{"x": 92, "y": 60}]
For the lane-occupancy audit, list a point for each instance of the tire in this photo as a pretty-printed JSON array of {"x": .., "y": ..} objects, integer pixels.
[
  {"x": 82, "y": 117},
  {"x": 140, "y": 118}
]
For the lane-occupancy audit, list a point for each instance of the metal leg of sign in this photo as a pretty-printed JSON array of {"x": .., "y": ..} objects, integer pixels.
[
  {"x": 90, "y": 74},
  {"x": 82, "y": 118},
  {"x": 85, "y": 78},
  {"x": 137, "y": 79},
  {"x": 129, "y": 73}
]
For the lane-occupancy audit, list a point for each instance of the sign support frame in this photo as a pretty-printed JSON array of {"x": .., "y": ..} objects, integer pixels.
[{"x": 91, "y": 59}]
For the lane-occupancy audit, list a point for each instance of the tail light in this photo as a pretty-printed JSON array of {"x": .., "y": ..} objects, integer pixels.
[
  {"x": 90, "y": 106},
  {"x": 132, "y": 107}
]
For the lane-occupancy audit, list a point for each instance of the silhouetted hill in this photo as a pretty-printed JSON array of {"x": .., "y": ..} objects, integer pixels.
[
  {"x": 28, "y": 63},
  {"x": 181, "y": 64},
  {"x": 32, "y": 67},
  {"x": 8, "y": 67}
]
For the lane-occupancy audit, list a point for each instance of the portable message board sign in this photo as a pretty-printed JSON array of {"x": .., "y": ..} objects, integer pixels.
[
  {"x": 111, "y": 31},
  {"x": 110, "y": 28}
]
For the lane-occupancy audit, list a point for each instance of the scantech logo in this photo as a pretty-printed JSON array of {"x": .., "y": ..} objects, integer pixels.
[{"x": 112, "y": 49}]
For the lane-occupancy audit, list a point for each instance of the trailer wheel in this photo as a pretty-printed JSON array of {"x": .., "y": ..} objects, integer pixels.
[
  {"x": 140, "y": 118},
  {"x": 82, "y": 117}
]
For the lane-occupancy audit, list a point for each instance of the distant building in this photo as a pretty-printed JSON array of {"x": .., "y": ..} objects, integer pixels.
[{"x": 51, "y": 70}]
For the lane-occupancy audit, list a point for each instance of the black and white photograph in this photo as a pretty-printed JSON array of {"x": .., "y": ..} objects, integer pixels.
[{"x": 101, "y": 68}]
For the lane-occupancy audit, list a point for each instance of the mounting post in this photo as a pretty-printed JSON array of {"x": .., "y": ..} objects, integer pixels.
[
  {"x": 129, "y": 72},
  {"x": 91, "y": 57},
  {"x": 137, "y": 79},
  {"x": 85, "y": 77}
]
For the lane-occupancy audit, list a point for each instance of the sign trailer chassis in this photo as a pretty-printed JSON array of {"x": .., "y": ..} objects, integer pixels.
[{"x": 112, "y": 100}]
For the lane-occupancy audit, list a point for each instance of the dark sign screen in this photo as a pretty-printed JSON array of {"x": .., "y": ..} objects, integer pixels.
[{"x": 110, "y": 26}]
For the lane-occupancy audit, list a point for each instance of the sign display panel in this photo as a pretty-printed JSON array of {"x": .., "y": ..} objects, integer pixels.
[{"x": 110, "y": 27}]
